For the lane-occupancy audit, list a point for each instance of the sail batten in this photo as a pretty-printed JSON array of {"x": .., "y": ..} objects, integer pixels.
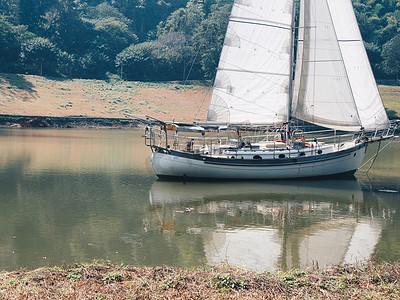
[
  {"x": 253, "y": 72},
  {"x": 260, "y": 23}
]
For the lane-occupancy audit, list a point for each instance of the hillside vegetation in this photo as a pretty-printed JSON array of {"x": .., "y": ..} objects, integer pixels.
[{"x": 150, "y": 39}]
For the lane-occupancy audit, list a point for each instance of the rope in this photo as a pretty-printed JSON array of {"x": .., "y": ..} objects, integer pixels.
[
  {"x": 376, "y": 154},
  {"x": 204, "y": 99}
]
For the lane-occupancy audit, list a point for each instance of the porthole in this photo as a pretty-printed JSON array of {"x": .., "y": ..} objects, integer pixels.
[
  {"x": 232, "y": 157},
  {"x": 281, "y": 156},
  {"x": 319, "y": 151},
  {"x": 257, "y": 157},
  {"x": 302, "y": 154}
]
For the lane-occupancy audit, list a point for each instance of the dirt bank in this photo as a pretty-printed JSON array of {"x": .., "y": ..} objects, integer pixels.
[
  {"x": 28, "y": 95},
  {"x": 107, "y": 281}
]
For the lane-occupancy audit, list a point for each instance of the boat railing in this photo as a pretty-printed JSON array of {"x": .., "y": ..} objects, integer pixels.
[
  {"x": 215, "y": 142},
  {"x": 158, "y": 137}
]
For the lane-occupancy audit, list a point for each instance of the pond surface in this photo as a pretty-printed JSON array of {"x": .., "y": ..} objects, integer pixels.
[{"x": 72, "y": 195}]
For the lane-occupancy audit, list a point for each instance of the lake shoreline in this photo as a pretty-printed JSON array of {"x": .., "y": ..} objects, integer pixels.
[
  {"x": 24, "y": 121},
  {"x": 103, "y": 280}
]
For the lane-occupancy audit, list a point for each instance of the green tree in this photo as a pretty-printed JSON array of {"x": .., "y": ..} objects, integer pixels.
[
  {"x": 391, "y": 56},
  {"x": 103, "y": 11},
  {"x": 379, "y": 23},
  {"x": 184, "y": 20},
  {"x": 209, "y": 39},
  {"x": 113, "y": 36},
  {"x": 63, "y": 25},
  {"x": 8, "y": 7},
  {"x": 147, "y": 14},
  {"x": 29, "y": 12},
  {"x": 11, "y": 38},
  {"x": 94, "y": 64},
  {"x": 40, "y": 56},
  {"x": 136, "y": 62},
  {"x": 175, "y": 53}
]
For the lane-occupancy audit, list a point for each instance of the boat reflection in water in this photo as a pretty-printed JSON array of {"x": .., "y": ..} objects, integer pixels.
[{"x": 266, "y": 226}]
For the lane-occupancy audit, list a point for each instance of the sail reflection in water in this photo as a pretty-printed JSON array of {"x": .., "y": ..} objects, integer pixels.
[{"x": 266, "y": 226}]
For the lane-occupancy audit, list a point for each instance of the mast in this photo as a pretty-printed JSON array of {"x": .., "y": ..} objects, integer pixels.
[{"x": 291, "y": 77}]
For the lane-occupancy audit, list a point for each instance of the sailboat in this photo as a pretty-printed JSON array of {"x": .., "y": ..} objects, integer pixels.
[{"x": 294, "y": 96}]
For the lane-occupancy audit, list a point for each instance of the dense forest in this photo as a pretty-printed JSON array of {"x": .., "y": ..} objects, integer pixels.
[{"x": 150, "y": 39}]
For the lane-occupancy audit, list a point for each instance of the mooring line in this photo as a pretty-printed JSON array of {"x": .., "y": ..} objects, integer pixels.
[{"x": 376, "y": 154}]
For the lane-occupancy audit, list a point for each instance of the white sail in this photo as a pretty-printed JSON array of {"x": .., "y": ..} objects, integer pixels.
[
  {"x": 366, "y": 95},
  {"x": 252, "y": 80},
  {"x": 322, "y": 89}
]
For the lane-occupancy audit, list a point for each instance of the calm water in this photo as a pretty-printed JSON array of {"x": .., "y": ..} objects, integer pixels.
[{"x": 79, "y": 195}]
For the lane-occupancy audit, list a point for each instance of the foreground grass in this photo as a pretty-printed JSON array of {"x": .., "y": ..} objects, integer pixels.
[{"x": 107, "y": 281}]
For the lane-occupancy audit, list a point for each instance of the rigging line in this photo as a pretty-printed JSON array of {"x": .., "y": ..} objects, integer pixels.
[
  {"x": 204, "y": 99},
  {"x": 191, "y": 66},
  {"x": 372, "y": 157},
  {"x": 322, "y": 61},
  {"x": 345, "y": 41},
  {"x": 194, "y": 58},
  {"x": 377, "y": 152},
  {"x": 253, "y": 72}
]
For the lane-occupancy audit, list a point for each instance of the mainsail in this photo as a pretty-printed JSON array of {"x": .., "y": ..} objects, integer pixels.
[
  {"x": 252, "y": 81},
  {"x": 334, "y": 86}
]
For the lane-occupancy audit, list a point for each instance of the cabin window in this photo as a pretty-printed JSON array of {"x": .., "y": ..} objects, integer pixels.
[
  {"x": 257, "y": 157},
  {"x": 281, "y": 156},
  {"x": 302, "y": 154}
]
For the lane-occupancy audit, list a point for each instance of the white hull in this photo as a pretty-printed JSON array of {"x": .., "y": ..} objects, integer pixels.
[{"x": 180, "y": 164}]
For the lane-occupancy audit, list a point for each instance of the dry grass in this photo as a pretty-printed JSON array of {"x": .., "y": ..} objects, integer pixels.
[
  {"x": 107, "y": 281},
  {"x": 40, "y": 96},
  {"x": 391, "y": 98}
]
